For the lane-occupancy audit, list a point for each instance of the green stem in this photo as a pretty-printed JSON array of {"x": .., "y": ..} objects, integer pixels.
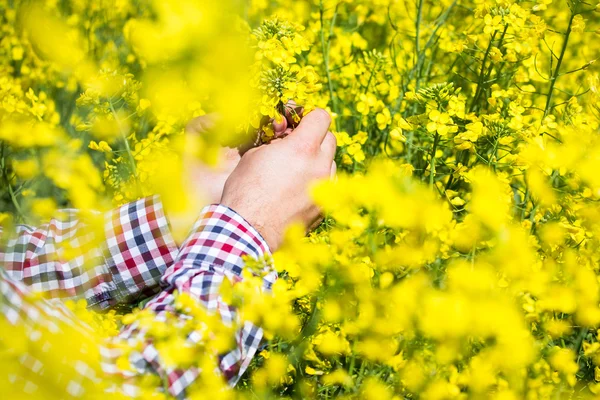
[
  {"x": 11, "y": 192},
  {"x": 361, "y": 371},
  {"x": 125, "y": 141},
  {"x": 371, "y": 77},
  {"x": 417, "y": 72},
  {"x": 491, "y": 69},
  {"x": 481, "y": 77},
  {"x": 310, "y": 328},
  {"x": 409, "y": 147},
  {"x": 524, "y": 204},
  {"x": 420, "y": 57},
  {"x": 532, "y": 218},
  {"x": 554, "y": 76},
  {"x": 436, "y": 140},
  {"x": 352, "y": 361},
  {"x": 418, "y": 43},
  {"x": 579, "y": 342},
  {"x": 13, "y": 197},
  {"x": 325, "y": 50},
  {"x": 416, "y": 69}
]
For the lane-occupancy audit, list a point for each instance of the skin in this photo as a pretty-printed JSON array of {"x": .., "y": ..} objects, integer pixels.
[
  {"x": 270, "y": 185},
  {"x": 206, "y": 182}
]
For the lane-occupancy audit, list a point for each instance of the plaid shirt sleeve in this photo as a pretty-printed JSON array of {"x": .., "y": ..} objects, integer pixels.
[
  {"x": 213, "y": 252},
  {"x": 35, "y": 331},
  {"x": 120, "y": 262}
]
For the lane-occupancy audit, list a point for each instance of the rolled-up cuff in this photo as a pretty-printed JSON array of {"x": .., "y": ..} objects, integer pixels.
[{"x": 223, "y": 237}]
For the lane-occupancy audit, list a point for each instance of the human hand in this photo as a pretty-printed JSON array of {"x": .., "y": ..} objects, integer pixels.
[
  {"x": 270, "y": 186},
  {"x": 205, "y": 182}
]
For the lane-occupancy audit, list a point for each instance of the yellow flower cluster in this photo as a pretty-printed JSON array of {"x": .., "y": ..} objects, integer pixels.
[
  {"x": 458, "y": 257},
  {"x": 279, "y": 76}
]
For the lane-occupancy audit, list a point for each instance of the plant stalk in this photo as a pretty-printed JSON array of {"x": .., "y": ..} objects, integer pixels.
[
  {"x": 554, "y": 76},
  {"x": 325, "y": 50},
  {"x": 436, "y": 140}
]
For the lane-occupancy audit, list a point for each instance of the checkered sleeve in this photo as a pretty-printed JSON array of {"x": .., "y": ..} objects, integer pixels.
[
  {"x": 213, "y": 252},
  {"x": 34, "y": 357},
  {"x": 115, "y": 258}
]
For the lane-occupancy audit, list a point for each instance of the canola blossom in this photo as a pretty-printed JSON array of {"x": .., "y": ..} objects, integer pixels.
[{"x": 458, "y": 256}]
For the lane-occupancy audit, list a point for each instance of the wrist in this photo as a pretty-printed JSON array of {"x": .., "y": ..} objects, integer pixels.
[
  {"x": 269, "y": 234},
  {"x": 221, "y": 237},
  {"x": 254, "y": 219}
]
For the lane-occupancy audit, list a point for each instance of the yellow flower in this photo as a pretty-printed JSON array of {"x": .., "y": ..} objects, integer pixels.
[
  {"x": 383, "y": 119},
  {"x": 43, "y": 208},
  {"x": 337, "y": 377},
  {"x": 102, "y": 146},
  {"x": 495, "y": 54},
  {"x": 397, "y": 134},
  {"x": 4, "y": 218},
  {"x": 466, "y": 140},
  {"x": 563, "y": 360},
  {"x": 373, "y": 389},
  {"x": 440, "y": 123},
  {"x": 17, "y": 53},
  {"x": 144, "y": 104},
  {"x": 355, "y": 150},
  {"x": 330, "y": 343},
  {"x": 311, "y": 371},
  {"x": 362, "y": 107},
  {"x": 578, "y": 25},
  {"x": 492, "y": 23},
  {"x": 25, "y": 169}
]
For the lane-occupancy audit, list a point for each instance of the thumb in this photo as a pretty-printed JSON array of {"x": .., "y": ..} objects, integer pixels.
[{"x": 313, "y": 127}]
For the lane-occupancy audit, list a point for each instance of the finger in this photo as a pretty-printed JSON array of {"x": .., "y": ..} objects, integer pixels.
[
  {"x": 280, "y": 126},
  {"x": 202, "y": 123},
  {"x": 313, "y": 128},
  {"x": 293, "y": 113},
  {"x": 230, "y": 156},
  {"x": 315, "y": 224},
  {"x": 329, "y": 146},
  {"x": 283, "y": 134},
  {"x": 333, "y": 170}
]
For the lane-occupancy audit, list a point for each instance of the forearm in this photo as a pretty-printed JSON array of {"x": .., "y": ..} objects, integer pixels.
[{"x": 212, "y": 254}]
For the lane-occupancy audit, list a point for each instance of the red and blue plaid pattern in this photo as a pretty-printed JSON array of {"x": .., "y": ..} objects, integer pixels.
[
  {"x": 140, "y": 257},
  {"x": 29, "y": 315},
  {"x": 135, "y": 249}
]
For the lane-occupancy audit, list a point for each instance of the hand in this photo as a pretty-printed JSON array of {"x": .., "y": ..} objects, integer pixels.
[
  {"x": 270, "y": 186},
  {"x": 205, "y": 183}
]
